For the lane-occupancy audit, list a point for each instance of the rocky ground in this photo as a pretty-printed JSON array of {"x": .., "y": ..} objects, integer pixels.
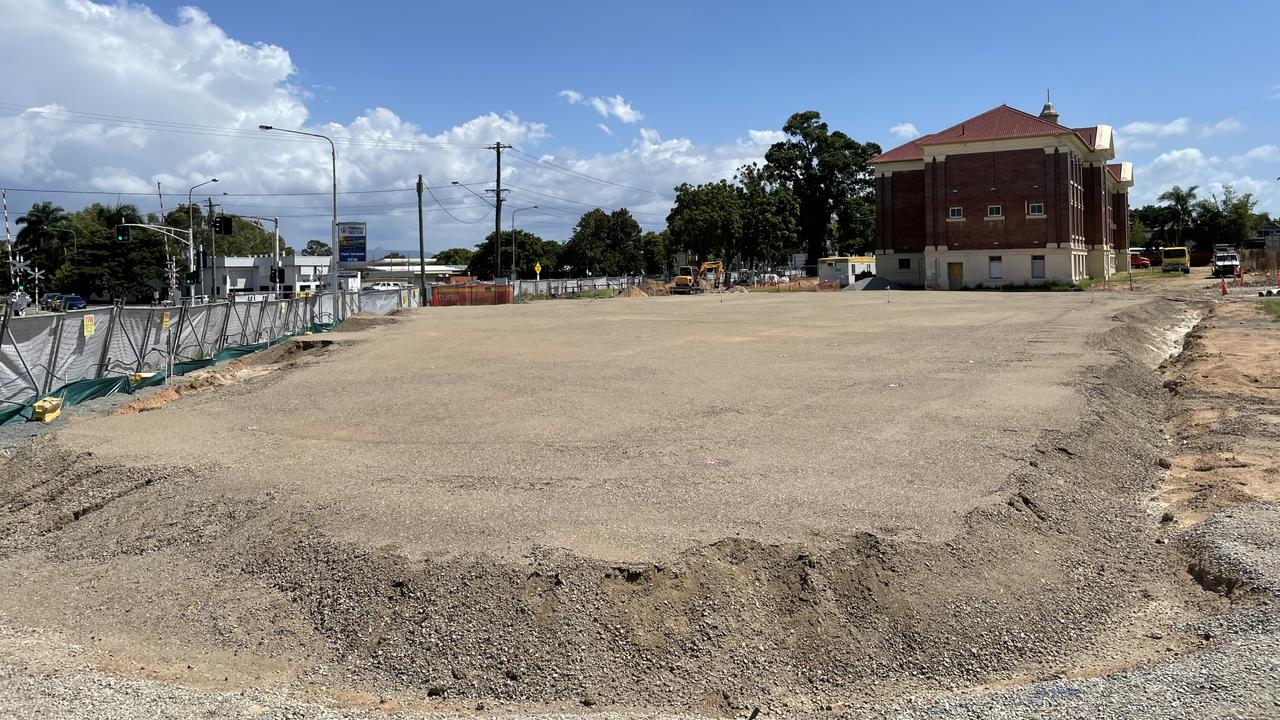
[{"x": 1082, "y": 585}]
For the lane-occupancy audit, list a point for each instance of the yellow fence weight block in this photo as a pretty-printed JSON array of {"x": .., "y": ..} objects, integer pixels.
[{"x": 46, "y": 410}]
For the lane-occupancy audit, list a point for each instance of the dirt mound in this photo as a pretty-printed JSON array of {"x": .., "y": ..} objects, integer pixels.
[
  {"x": 633, "y": 292},
  {"x": 653, "y": 288},
  {"x": 361, "y": 321}
]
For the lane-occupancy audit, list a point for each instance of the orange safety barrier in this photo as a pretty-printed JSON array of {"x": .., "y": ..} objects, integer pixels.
[{"x": 450, "y": 295}]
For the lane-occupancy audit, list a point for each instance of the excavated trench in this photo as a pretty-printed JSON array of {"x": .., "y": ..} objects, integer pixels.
[{"x": 1059, "y": 574}]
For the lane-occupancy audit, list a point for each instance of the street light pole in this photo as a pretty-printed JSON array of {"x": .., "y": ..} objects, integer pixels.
[
  {"x": 513, "y": 238},
  {"x": 333, "y": 227},
  {"x": 191, "y": 234}
]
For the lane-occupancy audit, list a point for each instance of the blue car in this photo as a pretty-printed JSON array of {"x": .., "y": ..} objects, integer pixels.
[{"x": 71, "y": 302}]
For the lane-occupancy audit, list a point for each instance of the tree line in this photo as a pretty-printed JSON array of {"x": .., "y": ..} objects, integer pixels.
[
  {"x": 80, "y": 254},
  {"x": 1184, "y": 219},
  {"x": 813, "y": 195}
]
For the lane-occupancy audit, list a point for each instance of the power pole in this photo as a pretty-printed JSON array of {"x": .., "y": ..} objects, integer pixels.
[
  {"x": 497, "y": 215},
  {"x": 422, "y": 251}
]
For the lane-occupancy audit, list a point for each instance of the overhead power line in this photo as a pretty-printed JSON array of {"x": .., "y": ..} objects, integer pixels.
[{"x": 527, "y": 158}]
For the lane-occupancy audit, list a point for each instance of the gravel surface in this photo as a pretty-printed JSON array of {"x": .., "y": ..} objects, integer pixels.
[{"x": 909, "y": 500}]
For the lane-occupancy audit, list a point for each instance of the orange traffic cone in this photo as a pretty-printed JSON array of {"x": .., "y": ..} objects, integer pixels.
[{"x": 1224, "y": 286}]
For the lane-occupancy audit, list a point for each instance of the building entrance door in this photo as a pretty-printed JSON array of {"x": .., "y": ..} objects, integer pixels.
[{"x": 955, "y": 276}]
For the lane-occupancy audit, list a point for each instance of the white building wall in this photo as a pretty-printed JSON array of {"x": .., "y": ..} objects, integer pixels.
[
  {"x": 888, "y": 266},
  {"x": 1061, "y": 265}
]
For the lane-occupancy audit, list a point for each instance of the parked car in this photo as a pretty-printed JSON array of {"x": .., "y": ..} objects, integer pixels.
[
  {"x": 1137, "y": 261},
  {"x": 385, "y": 285},
  {"x": 71, "y": 302},
  {"x": 48, "y": 300}
]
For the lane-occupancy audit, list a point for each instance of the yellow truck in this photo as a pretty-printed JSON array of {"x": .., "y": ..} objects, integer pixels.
[{"x": 1175, "y": 259}]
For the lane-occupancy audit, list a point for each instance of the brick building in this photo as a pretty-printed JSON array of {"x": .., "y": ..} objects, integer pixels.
[{"x": 1004, "y": 198}]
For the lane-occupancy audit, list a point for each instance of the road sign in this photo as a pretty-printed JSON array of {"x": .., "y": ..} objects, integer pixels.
[{"x": 537, "y": 267}]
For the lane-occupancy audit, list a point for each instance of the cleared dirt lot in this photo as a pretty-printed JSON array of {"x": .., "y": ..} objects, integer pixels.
[
  {"x": 706, "y": 504},
  {"x": 629, "y": 430}
]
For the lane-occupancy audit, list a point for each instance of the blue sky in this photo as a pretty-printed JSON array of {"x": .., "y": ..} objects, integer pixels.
[{"x": 681, "y": 87}]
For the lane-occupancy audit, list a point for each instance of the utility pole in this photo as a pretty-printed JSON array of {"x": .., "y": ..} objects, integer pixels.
[
  {"x": 422, "y": 251},
  {"x": 497, "y": 215}
]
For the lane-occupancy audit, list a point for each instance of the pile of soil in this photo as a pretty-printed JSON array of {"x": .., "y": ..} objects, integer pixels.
[
  {"x": 653, "y": 288},
  {"x": 633, "y": 292},
  {"x": 361, "y": 321}
]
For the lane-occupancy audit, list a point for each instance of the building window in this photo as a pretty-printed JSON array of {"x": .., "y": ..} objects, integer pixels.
[
  {"x": 995, "y": 211},
  {"x": 955, "y": 213},
  {"x": 904, "y": 263},
  {"x": 1035, "y": 208},
  {"x": 1037, "y": 266},
  {"x": 995, "y": 267}
]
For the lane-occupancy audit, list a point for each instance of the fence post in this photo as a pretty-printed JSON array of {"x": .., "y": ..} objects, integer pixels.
[
  {"x": 106, "y": 341},
  {"x": 52, "y": 366},
  {"x": 226, "y": 323}
]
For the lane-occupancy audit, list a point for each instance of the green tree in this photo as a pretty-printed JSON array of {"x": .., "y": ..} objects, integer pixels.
[
  {"x": 454, "y": 256},
  {"x": 823, "y": 169},
  {"x": 317, "y": 247},
  {"x": 604, "y": 244},
  {"x": 706, "y": 220},
  {"x": 654, "y": 247},
  {"x": 393, "y": 255},
  {"x": 1228, "y": 221},
  {"x": 42, "y": 230},
  {"x": 770, "y": 217},
  {"x": 1180, "y": 203},
  {"x": 530, "y": 251}
]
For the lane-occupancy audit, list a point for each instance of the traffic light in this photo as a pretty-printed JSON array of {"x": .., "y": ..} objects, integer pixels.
[
  {"x": 277, "y": 275},
  {"x": 222, "y": 225},
  {"x": 122, "y": 233},
  {"x": 191, "y": 277}
]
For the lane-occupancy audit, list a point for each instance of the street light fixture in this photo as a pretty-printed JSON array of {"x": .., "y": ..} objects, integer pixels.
[
  {"x": 513, "y": 237},
  {"x": 333, "y": 229},
  {"x": 191, "y": 229}
]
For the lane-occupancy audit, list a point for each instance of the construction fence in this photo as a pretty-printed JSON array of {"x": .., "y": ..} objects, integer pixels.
[
  {"x": 40, "y": 354},
  {"x": 569, "y": 286}
]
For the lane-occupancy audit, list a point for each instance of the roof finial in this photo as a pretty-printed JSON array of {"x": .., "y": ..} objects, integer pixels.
[{"x": 1048, "y": 112}]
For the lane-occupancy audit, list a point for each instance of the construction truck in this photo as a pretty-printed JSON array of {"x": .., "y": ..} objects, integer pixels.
[{"x": 687, "y": 281}]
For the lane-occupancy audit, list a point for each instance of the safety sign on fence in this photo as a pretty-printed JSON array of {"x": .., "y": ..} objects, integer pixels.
[{"x": 88, "y": 325}]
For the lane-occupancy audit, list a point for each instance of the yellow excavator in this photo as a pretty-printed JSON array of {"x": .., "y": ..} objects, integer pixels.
[{"x": 687, "y": 281}]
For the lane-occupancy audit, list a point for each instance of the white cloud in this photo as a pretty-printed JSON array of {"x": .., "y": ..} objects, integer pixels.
[
  {"x": 1190, "y": 166},
  {"x": 905, "y": 131},
  {"x": 1275, "y": 92},
  {"x": 617, "y": 107},
  {"x": 192, "y": 72},
  {"x": 1222, "y": 127},
  {"x": 765, "y": 138},
  {"x": 1180, "y": 126},
  {"x": 605, "y": 129},
  {"x": 1262, "y": 153}
]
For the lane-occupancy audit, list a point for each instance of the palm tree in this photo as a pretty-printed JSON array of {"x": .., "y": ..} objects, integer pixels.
[
  {"x": 38, "y": 225},
  {"x": 1180, "y": 202}
]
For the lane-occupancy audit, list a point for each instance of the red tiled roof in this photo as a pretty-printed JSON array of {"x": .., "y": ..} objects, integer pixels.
[
  {"x": 998, "y": 123},
  {"x": 905, "y": 151},
  {"x": 1114, "y": 169}
]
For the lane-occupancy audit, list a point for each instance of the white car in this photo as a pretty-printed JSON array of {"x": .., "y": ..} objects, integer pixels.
[{"x": 385, "y": 285}]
